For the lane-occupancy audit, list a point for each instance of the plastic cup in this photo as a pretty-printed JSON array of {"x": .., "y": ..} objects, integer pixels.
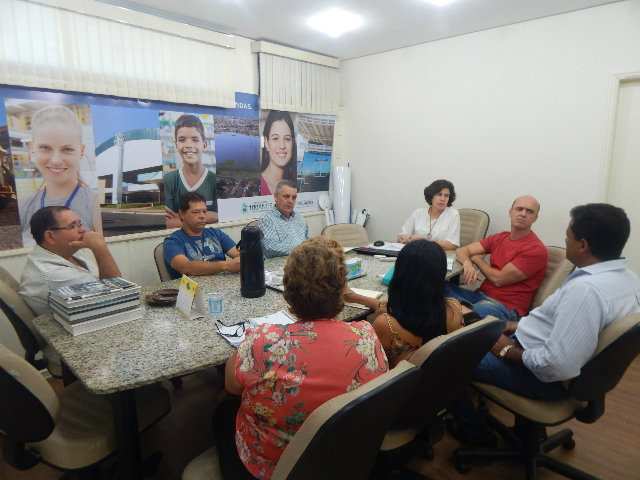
[{"x": 214, "y": 300}]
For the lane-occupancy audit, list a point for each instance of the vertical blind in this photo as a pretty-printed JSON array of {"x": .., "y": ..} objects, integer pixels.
[
  {"x": 48, "y": 47},
  {"x": 297, "y": 86}
]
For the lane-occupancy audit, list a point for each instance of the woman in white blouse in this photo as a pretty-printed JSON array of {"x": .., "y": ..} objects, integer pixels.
[{"x": 439, "y": 223}]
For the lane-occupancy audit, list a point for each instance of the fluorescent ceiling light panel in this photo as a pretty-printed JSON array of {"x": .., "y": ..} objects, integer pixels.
[
  {"x": 440, "y": 3},
  {"x": 335, "y": 21}
]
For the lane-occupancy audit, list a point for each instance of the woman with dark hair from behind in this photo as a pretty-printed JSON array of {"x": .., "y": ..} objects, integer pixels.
[
  {"x": 417, "y": 309},
  {"x": 279, "y": 153},
  {"x": 440, "y": 223}
]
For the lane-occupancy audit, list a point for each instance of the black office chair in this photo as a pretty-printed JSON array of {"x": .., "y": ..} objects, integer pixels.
[
  {"x": 340, "y": 439},
  {"x": 618, "y": 345},
  {"x": 71, "y": 430},
  {"x": 446, "y": 364}
]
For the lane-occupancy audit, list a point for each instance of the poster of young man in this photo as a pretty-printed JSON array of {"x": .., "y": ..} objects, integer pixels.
[{"x": 188, "y": 162}]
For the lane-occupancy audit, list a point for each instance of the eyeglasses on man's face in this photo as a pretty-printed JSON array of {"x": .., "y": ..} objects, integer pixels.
[{"x": 72, "y": 226}]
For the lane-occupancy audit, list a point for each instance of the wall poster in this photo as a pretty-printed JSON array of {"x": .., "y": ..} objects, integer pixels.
[{"x": 120, "y": 164}]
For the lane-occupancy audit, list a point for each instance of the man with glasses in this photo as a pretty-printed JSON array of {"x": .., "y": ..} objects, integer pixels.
[
  {"x": 517, "y": 266},
  {"x": 55, "y": 261}
]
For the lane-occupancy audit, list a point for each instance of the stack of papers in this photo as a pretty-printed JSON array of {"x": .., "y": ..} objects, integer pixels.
[{"x": 234, "y": 334}]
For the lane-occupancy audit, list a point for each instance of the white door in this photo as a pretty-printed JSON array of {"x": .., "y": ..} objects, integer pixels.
[{"x": 624, "y": 175}]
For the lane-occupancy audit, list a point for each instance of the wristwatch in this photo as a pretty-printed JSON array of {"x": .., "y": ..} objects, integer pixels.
[{"x": 503, "y": 352}]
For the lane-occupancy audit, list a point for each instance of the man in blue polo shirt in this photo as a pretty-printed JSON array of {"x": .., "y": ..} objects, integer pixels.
[
  {"x": 283, "y": 229},
  {"x": 194, "y": 249}
]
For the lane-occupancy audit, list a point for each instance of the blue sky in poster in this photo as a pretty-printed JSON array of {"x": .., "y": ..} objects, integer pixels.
[{"x": 108, "y": 120}]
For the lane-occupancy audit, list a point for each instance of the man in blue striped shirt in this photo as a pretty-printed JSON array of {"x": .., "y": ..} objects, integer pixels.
[
  {"x": 553, "y": 342},
  {"x": 283, "y": 229}
]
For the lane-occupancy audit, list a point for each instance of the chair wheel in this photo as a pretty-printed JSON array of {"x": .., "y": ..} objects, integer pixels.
[
  {"x": 461, "y": 465},
  {"x": 427, "y": 452},
  {"x": 151, "y": 464},
  {"x": 569, "y": 444}
]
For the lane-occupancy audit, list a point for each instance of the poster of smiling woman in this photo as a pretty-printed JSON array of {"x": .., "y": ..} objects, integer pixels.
[{"x": 53, "y": 155}]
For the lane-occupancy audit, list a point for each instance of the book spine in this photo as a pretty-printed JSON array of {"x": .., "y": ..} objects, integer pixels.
[
  {"x": 68, "y": 304},
  {"x": 98, "y": 313},
  {"x": 99, "y": 323}
]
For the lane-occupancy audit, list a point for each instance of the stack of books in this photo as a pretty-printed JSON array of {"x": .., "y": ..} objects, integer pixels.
[{"x": 90, "y": 306}]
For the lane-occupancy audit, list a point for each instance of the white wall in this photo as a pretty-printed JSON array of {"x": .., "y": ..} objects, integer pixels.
[{"x": 514, "y": 110}]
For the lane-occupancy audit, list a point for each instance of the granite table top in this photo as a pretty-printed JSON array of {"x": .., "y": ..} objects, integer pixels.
[{"x": 164, "y": 344}]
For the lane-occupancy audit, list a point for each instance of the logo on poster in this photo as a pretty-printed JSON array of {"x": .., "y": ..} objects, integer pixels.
[
  {"x": 305, "y": 203},
  {"x": 255, "y": 207}
]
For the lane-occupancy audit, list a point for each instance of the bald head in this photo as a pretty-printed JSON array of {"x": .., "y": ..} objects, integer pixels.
[
  {"x": 523, "y": 213},
  {"x": 529, "y": 200}
]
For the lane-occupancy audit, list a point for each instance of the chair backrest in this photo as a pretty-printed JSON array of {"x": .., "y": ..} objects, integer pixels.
[
  {"x": 447, "y": 363},
  {"x": 342, "y": 437},
  {"x": 29, "y": 407},
  {"x": 20, "y": 315},
  {"x": 160, "y": 265},
  {"x": 348, "y": 234},
  {"x": 473, "y": 225},
  {"x": 558, "y": 268},
  {"x": 618, "y": 345}
]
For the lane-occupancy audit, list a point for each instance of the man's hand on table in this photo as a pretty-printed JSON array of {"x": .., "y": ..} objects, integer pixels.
[{"x": 233, "y": 265}]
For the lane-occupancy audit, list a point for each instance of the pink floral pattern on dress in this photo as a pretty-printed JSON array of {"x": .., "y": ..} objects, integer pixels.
[{"x": 287, "y": 371}]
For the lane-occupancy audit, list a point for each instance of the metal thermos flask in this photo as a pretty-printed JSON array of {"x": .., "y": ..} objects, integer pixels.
[{"x": 251, "y": 263}]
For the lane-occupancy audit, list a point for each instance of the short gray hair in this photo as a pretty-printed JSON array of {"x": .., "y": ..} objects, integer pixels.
[{"x": 285, "y": 183}]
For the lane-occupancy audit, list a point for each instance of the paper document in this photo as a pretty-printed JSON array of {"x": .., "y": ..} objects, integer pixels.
[
  {"x": 364, "y": 293},
  {"x": 393, "y": 246},
  {"x": 234, "y": 334},
  {"x": 278, "y": 318}
]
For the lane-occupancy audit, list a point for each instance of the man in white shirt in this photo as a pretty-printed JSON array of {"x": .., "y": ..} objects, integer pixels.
[
  {"x": 55, "y": 261},
  {"x": 553, "y": 342}
]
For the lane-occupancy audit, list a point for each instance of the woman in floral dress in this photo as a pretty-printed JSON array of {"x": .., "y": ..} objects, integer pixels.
[{"x": 284, "y": 372}]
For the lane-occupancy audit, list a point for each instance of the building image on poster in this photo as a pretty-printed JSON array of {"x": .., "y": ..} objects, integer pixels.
[
  {"x": 10, "y": 229},
  {"x": 53, "y": 158},
  {"x": 188, "y": 162},
  {"x": 315, "y": 135},
  {"x": 129, "y": 167}
]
